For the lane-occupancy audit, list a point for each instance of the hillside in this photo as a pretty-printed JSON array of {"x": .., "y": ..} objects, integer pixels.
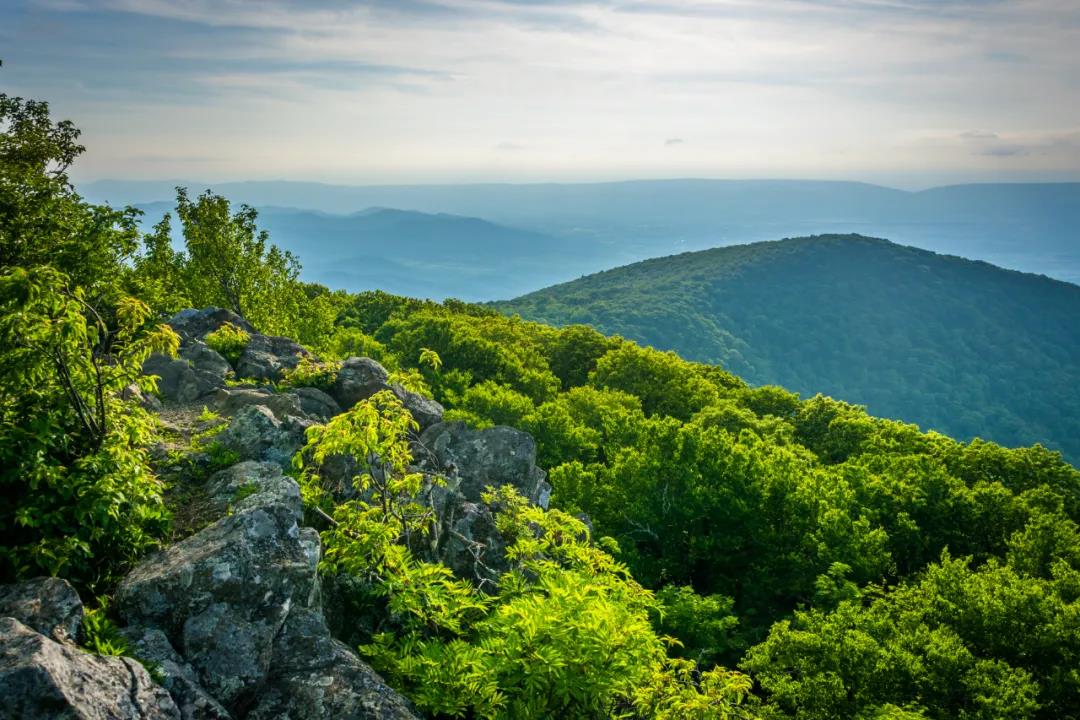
[
  {"x": 229, "y": 494},
  {"x": 954, "y": 345},
  {"x": 1022, "y": 226}
]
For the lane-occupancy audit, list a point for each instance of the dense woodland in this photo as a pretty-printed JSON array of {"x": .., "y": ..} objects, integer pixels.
[
  {"x": 747, "y": 553},
  {"x": 958, "y": 346}
]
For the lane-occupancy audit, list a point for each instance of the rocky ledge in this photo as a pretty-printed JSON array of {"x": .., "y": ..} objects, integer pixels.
[{"x": 232, "y": 618}]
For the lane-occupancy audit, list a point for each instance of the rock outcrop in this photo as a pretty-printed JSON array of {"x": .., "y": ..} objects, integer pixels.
[
  {"x": 267, "y": 357},
  {"x": 472, "y": 460},
  {"x": 41, "y": 678},
  {"x": 233, "y": 617},
  {"x": 48, "y": 605},
  {"x": 360, "y": 378},
  {"x": 233, "y": 614}
]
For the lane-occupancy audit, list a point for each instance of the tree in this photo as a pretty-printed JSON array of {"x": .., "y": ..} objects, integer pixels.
[
  {"x": 230, "y": 263},
  {"x": 43, "y": 221},
  {"x": 78, "y": 497}
]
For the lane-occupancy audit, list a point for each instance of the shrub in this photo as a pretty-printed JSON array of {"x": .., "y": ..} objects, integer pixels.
[
  {"x": 77, "y": 497},
  {"x": 229, "y": 341},
  {"x": 566, "y": 634},
  {"x": 310, "y": 372}
]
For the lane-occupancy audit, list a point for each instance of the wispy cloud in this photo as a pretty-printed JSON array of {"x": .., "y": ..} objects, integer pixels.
[{"x": 389, "y": 90}]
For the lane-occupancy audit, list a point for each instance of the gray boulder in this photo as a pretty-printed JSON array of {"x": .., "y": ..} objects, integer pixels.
[
  {"x": 231, "y": 400},
  {"x": 252, "y": 484},
  {"x": 358, "y": 379},
  {"x": 254, "y": 433},
  {"x": 467, "y": 540},
  {"x": 425, "y": 411},
  {"x": 472, "y": 460},
  {"x": 316, "y": 404},
  {"x": 46, "y": 604},
  {"x": 316, "y": 677},
  {"x": 194, "y": 324},
  {"x": 178, "y": 677},
  {"x": 266, "y": 357},
  {"x": 203, "y": 357},
  {"x": 179, "y": 381},
  {"x": 41, "y": 678},
  {"x": 222, "y": 595}
]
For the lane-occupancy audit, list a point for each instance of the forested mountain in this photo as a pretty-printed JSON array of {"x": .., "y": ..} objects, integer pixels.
[
  {"x": 961, "y": 347},
  {"x": 229, "y": 493},
  {"x": 1029, "y": 227}
]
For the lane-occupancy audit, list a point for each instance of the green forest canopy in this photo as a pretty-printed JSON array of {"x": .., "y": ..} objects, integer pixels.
[
  {"x": 955, "y": 345},
  {"x": 850, "y": 566}
]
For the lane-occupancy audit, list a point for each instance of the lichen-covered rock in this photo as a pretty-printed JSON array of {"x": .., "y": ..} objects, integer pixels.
[
  {"x": 253, "y": 484},
  {"x": 178, "y": 677},
  {"x": 193, "y": 324},
  {"x": 358, "y": 379},
  {"x": 425, "y": 411},
  {"x": 179, "y": 381},
  {"x": 230, "y": 401},
  {"x": 468, "y": 541},
  {"x": 475, "y": 459},
  {"x": 43, "y": 679},
  {"x": 222, "y": 595},
  {"x": 266, "y": 357},
  {"x": 203, "y": 357},
  {"x": 254, "y": 433},
  {"x": 316, "y": 404},
  {"x": 316, "y": 677},
  {"x": 46, "y": 604}
]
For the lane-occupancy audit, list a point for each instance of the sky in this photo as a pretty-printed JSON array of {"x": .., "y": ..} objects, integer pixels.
[{"x": 907, "y": 93}]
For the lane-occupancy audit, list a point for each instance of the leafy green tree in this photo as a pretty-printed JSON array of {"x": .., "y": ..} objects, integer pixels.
[
  {"x": 958, "y": 643},
  {"x": 43, "y": 221},
  {"x": 566, "y": 634},
  {"x": 666, "y": 384},
  {"x": 230, "y": 263},
  {"x": 78, "y": 497}
]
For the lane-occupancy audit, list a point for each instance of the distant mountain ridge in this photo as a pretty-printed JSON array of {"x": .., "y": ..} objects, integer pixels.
[
  {"x": 422, "y": 254},
  {"x": 954, "y": 345},
  {"x": 1029, "y": 227}
]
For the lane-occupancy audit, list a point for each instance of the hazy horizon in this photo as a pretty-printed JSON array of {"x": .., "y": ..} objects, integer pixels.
[{"x": 901, "y": 93}]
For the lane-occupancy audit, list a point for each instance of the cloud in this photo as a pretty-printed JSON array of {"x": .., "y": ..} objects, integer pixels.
[
  {"x": 978, "y": 135},
  {"x": 402, "y": 90}
]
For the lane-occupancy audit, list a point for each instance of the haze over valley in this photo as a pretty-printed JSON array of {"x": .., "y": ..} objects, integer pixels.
[{"x": 551, "y": 233}]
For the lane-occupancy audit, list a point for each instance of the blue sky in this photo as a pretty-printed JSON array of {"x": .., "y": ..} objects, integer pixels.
[{"x": 903, "y": 92}]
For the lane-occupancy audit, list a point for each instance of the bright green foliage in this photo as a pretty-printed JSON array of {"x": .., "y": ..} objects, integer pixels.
[
  {"x": 157, "y": 271},
  {"x": 310, "y": 372},
  {"x": 229, "y": 263},
  {"x": 78, "y": 497},
  {"x": 574, "y": 351},
  {"x": 958, "y": 643},
  {"x": 472, "y": 349},
  {"x": 488, "y": 403},
  {"x": 101, "y": 636},
  {"x": 344, "y": 342},
  {"x": 666, "y": 384},
  {"x": 229, "y": 341},
  {"x": 431, "y": 359},
  {"x": 567, "y": 633},
  {"x": 705, "y": 625}
]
